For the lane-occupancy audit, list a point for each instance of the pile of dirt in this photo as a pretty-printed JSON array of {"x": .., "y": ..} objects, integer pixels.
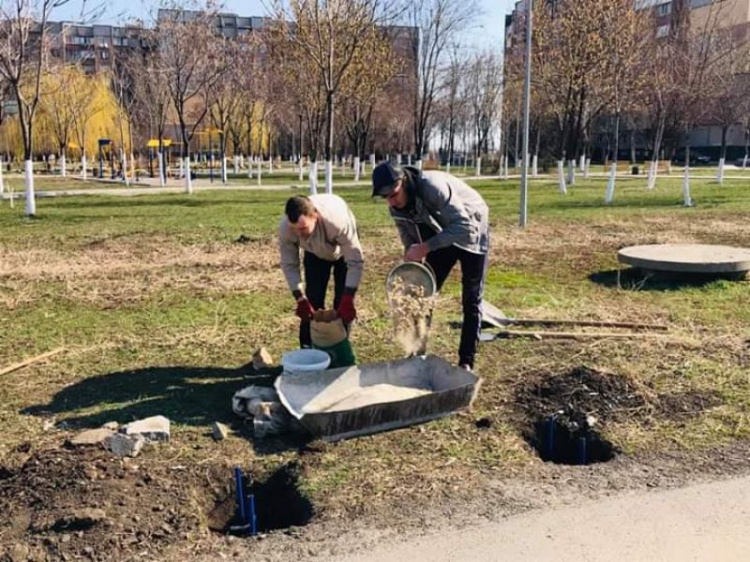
[
  {"x": 65, "y": 504},
  {"x": 561, "y": 414},
  {"x": 584, "y": 391}
]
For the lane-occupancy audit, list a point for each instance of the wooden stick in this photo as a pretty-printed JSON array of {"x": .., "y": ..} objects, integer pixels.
[
  {"x": 30, "y": 361},
  {"x": 572, "y": 335},
  {"x": 590, "y": 323}
]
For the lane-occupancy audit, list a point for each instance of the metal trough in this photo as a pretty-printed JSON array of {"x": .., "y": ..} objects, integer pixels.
[{"x": 421, "y": 389}]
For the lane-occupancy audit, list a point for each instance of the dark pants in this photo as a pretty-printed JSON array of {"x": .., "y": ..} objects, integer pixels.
[
  {"x": 317, "y": 276},
  {"x": 473, "y": 271}
]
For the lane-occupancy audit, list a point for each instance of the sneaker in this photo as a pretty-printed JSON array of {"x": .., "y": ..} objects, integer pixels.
[{"x": 466, "y": 367}]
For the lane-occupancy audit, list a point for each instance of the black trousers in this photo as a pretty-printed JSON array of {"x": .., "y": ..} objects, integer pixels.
[
  {"x": 317, "y": 276},
  {"x": 473, "y": 273}
]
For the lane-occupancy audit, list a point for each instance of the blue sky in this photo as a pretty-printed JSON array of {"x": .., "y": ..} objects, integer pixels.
[{"x": 490, "y": 32}]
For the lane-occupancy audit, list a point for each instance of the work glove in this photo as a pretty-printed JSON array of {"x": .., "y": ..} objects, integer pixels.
[
  {"x": 346, "y": 309},
  {"x": 305, "y": 309}
]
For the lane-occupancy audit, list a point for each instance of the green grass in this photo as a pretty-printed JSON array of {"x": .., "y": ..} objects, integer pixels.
[{"x": 158, "y": 308}]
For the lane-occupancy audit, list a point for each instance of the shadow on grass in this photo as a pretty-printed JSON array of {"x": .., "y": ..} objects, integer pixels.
[
  {"x": 192, "y": 396},
  {"x": 635, "y": 279}
]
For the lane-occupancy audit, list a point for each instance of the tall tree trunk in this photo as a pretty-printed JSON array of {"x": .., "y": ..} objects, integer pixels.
[
  {"x": 687, "y": 200},
  {"x": 723, "y": 157},
  {"x": 329, "y": 143},
  {"x": 609, "y": 196}
]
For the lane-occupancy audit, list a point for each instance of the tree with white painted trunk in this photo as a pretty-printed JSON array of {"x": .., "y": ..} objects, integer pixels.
[
  {"x": 626, "y": 33},
  {"x": 152, "y": 99},
  {"x": 453, "y": 102},
  {"x": 439, "y": 22},
  {"x": 184, "y": 31},
  {"x": 24, "y": 35},
  {"x": 699, "y": 50},
  {"x": 64, "y": 86},
  {"x": 729, "y": 96},
  {"x": 223, "y": 97},
  {"x": 330, "y": 35},
  {"x": 569, "y": 58},
  {"x": 485, "y": 82},
  {"x": 369, "y": 84}
]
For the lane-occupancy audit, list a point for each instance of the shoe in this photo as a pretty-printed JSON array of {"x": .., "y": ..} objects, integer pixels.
[{"x": 466, "y": 367}]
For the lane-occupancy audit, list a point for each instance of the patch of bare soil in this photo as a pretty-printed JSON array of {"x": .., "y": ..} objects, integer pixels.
[
  {"x": 64, "y": 504},
  {"x": 561, "y": 415}
]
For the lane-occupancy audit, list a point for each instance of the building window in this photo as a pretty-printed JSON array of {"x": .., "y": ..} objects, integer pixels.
[
  {"x": 664, "y": 9},
  {"x": 662, "y": 31}
]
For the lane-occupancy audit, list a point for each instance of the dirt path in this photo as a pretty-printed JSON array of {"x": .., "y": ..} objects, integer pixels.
[{"x": 700, "y": 522}]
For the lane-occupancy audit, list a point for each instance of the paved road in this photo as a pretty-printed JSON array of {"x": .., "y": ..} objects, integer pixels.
[{"x": 706, "y": 522}]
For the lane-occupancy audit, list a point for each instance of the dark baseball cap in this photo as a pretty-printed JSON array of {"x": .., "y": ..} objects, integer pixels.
[{"x": 384, "y": 177}]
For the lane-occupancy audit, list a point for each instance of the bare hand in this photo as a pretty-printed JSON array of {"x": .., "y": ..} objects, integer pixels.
[{"x": 416, "y": 252}]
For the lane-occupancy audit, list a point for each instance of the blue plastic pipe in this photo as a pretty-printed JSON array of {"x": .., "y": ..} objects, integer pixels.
[
  {"x": 240, "y": 494},
  {"x": 251, "y": 514},
  {"x": 551, "y": 437},
  {"x": 582, "y": 454}
]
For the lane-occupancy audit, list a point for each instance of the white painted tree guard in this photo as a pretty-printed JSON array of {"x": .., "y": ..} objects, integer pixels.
[
  {"x": 687, "y": 201},
  {"x": 29, "y": 181},
  {"x": 561, "y": 185},
  {"x": 188, "y": 176},
  {"x": 313, "y": 177}
]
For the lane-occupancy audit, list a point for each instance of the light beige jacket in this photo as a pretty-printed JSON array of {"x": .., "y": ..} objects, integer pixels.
[{"x": 335, "y": 235}]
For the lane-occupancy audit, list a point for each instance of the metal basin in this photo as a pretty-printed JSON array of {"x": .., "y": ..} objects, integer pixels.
[{"x": 359, "y": 400}]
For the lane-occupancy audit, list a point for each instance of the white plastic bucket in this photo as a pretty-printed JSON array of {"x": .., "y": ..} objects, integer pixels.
[{"x": 304, "y": 360}]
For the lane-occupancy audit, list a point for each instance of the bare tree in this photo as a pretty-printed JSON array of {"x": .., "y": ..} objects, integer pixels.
[
  {"x": 58, "y": 105},
  {"x": 372, "y": 80},
  {"x": 698, "y": 49},
  {"x": 330, "y": 35},
  {"x": 729, "y": 100},
  {"x": 185, "y": 34},
  {"x": 484, "y": 88},
  {"x": 570, "y": 56},
  {"x": 438, "y": 22},
  {"x": 626, "y": 34},
  {"x": 24, "y": 38},
  {"x": 151, "y": 95}
]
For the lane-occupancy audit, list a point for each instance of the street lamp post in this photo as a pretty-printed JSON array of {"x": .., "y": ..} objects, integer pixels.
[{"x": 526, "y": 110}]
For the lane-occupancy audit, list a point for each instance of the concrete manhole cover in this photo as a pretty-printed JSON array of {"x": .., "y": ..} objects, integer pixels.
[{"x": 687, "y": 258}]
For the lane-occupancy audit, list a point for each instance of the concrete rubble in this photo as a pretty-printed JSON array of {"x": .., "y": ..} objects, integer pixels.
[
  {"x": 219, "y": 431},
  {"x": 262, "y": 359},
  {"x": 122, "y": 445},
  {"x": 155, "y": 428},
  {"x": 91, "y": 437}
]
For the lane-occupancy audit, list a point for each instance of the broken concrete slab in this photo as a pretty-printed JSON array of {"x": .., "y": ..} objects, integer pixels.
[
  {"x": 262, "y": 359},
  {"x": 91, "y": 437},
  {"x": 219, "y": 431},
  {"x": 155, "y": 428},
  {"x": 113, "y": 425},
  {"x": 122, "y": 445}
]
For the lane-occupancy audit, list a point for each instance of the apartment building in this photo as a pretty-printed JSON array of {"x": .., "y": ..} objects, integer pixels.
[{"x": 93, "y": 47}]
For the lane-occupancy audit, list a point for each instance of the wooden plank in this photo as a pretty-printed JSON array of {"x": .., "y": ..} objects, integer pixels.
[{"x": 30, "y": 361}]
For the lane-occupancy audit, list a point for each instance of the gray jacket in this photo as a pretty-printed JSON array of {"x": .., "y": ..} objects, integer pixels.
[
  {"x": 450, "y": 208},
  {"x": 335, "y": 236}
]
